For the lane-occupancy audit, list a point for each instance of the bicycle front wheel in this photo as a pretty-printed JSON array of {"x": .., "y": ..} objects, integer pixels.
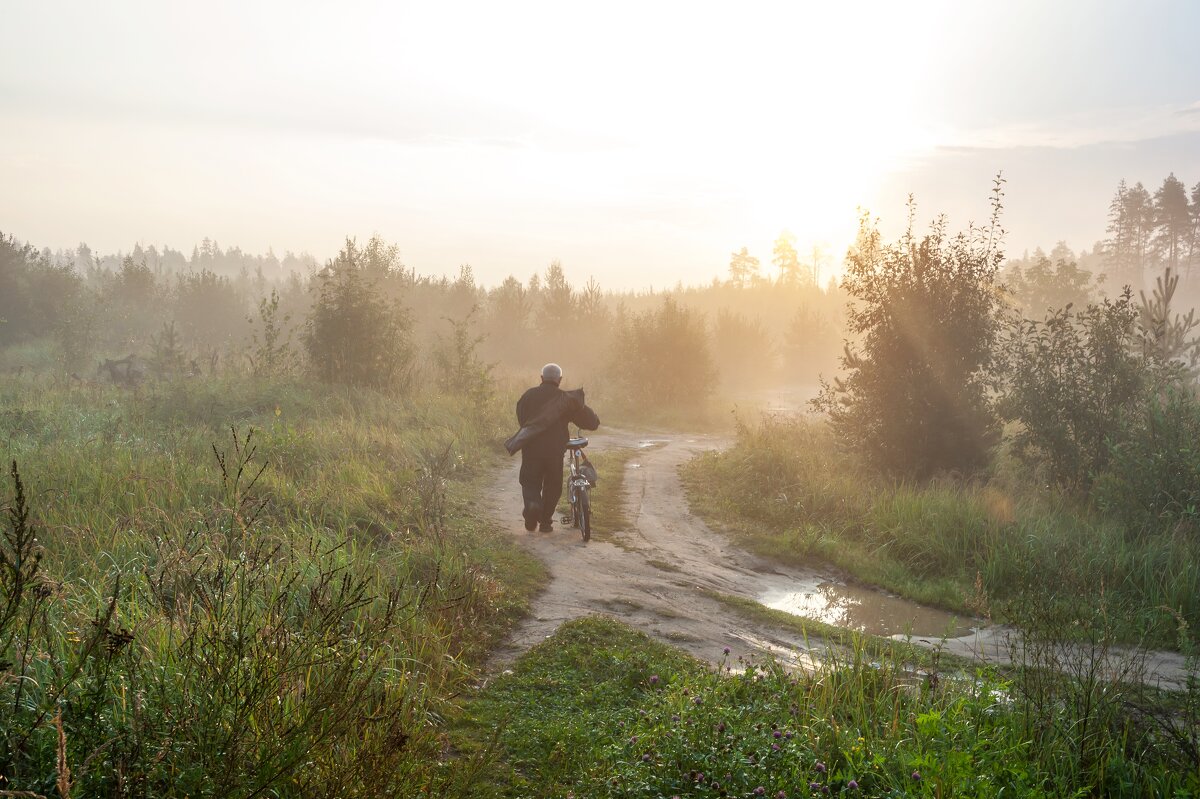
[{"x": 583, "y": 514}]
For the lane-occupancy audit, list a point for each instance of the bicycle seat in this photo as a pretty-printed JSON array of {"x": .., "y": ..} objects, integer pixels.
[{"x": 577, "y": 443}]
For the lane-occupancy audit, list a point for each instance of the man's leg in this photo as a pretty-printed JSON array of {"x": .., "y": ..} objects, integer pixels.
[
  {"x": 531, "y": 478},
  {"x": 552, "y": 486}
]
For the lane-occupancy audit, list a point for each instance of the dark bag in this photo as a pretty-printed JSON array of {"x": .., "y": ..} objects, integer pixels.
[{"x": 569, "y": 404}]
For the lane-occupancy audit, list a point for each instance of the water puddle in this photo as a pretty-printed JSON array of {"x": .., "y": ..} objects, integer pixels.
[
  {"x": 652, "y": 443},
  {"x": 864, "y": 609}
]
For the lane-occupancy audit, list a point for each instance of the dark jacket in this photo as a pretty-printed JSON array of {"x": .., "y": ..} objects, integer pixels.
[{"x": 544, "y": 413}]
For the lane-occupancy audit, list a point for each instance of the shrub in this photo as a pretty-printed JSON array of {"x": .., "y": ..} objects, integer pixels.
[
  {"x": 925, "y": 312},
  {"x": 1072, "y": 380},
  {"x": 661, "y": 358},
  {"x": 354, "y": 335}
]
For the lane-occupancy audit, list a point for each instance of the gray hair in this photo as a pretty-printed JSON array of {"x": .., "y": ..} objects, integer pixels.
[{"x": 552, "y": 373}]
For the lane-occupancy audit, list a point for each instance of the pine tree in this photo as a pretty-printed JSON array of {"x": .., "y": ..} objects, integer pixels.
[{"x": 1172, "y": 224}]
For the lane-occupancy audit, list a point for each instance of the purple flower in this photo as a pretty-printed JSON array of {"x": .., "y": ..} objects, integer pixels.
[
  {"x": 781, "y": 795},
  {"x": 696, "y": 700},
  {"x": 916, "y": 775},
  {"x": 633, "y": 739},
  {"x": 759, "y": 791},
  {"x": 674, "y": 717},
  {"x": 721, "y": 727},
  {"x": 774, "y": 747},
  {"x": 777, "y": 734},
  {"x": 820, "y": 767},
  {"x": 654, "y": 679},
  {"x": 814, "y": 786},
  {"x": 699, "y": 776},
  {"x": 646, "y": 758},
  {"x": 852, "y": 785},
  {"x": 726, "y": 650}
]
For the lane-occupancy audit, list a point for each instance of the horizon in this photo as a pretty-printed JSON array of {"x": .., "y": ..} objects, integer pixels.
[{"x": 640, "y": 148}]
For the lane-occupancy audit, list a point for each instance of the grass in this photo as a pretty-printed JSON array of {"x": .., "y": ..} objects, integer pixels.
[
  {"x": 986, "y": 549},
  {"x": 316, "y": 596},
  {"x": 601, "y": 711}
]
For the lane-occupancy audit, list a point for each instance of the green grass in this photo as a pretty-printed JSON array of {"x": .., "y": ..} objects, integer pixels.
[
  {"x": 204, "y": 632},
  {"x": 988, "y": 549},
  {"x": 601, "y": 711}
]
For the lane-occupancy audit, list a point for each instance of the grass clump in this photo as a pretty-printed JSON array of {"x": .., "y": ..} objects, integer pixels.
[{"x": 601, "y": 711}]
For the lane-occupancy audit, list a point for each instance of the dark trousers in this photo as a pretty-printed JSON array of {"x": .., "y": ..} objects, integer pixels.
[{"x": 542, "y": 481}]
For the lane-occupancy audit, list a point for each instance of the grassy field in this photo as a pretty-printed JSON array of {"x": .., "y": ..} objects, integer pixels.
[
  {"x": 600, "y": 711},
  {"x": 998, "y": 549},
  {"x": 234, "y": 588}
]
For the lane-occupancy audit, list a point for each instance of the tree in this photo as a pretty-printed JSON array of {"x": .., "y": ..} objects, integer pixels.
[
  {"x": 925, "y": 313},
  {"x": 1130, "y": 225},
  {"x": 1045, "y": 285},
  {"x": 1172, "y": 223},
  {"x": 661, "y": 358},
  {"x": 557, "y": 301},
  {"x": 743, "y": 268},
  {"x": 354, "y": 334},
  {"x": 786, "y": 259},
  {"x": 743, "y": 350}
]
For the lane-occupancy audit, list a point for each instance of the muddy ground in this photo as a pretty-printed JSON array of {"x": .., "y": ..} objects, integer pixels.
[{"x": 655, "y": 578}]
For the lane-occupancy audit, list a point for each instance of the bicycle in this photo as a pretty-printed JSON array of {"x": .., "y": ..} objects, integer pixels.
[{"x": 580, "y": 479}]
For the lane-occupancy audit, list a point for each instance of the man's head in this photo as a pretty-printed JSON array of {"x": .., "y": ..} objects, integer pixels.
[{"x": 552, "y": 373}]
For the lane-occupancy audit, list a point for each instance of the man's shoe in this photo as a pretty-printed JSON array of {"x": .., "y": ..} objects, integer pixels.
[
  {"x": 546, "y": 527},
  {"x": 531, "y": 513}
]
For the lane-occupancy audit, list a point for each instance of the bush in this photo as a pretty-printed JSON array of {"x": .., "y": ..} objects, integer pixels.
[
  {"x": 661, "y": 359},
  {"x": 1153, "y": 479},
  {"x": 926, "y": 313},
  {"x": 353, "y": 334},
  {"x": 1072, "y": 381}
]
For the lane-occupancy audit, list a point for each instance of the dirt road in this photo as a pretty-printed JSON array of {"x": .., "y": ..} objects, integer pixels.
[{"x": 656, "y": 579}]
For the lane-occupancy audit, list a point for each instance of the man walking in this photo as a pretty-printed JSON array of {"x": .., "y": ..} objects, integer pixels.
[{"x": 544, "y": 412}]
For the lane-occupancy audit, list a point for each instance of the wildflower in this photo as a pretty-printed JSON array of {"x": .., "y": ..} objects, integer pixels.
[
  {"x": 674, "y": 717},
  {"x": 759, "y": 791},
  {"x": 916, "y": 775},
  {"x": 633, "y": 739},
  {"x": 646, "y": 758},
  {"x": 852, "y": 785},
  {"x": 721, "y": 727},
  {"x": 777, "y": 734},
  {"x": 781, "y": 795},
  {"x": 654, "y": 679},
  {"x": 726, "y": 650},
  {"x": 774, "y": 747},
  {"x": 820, "y": 767},
  {"x": 814, "y": 786},
  {"x": 696, "y": 700}
]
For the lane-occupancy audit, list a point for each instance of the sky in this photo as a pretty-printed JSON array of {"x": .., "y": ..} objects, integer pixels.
[{"x": 639, "y": 143}]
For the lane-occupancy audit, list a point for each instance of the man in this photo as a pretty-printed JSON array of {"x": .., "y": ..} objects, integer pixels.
[{"x": 545, "y": 411}]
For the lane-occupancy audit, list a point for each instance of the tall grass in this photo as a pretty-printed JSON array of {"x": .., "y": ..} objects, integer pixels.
[
  {"x": 239, "y": 588},
  {"x": 974, "y": 546}
]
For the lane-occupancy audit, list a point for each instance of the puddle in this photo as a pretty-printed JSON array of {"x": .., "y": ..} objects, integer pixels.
[
  {"x": 652, "y": 443},
  {"x": 863, "y": 609}
]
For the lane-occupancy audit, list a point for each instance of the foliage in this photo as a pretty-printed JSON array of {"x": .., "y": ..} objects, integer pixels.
[
  {"x": 271, "y": 353},
  {"x": 743, "y": 351},
  {"x": 1152, "y": 480},
  {"x": 925, "y": 313},
  {"x": 353, "y": 335},
  {"x": 1166, "y": 336},
  {"x": 638, "y": 720},
  {"x": 662, "y": 358},
  {"x": 1044, "y": 286},
  {"x": 1072, "y": 379},
  {"x": 460, "y": 370}
]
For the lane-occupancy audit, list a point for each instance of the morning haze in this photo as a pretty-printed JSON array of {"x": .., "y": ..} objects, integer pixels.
[{"x": 630, "y": 401}]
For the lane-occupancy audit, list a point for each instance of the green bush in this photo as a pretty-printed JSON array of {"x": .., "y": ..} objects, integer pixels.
[
  {"x": 1153, "y": 477},
  {"x": 924, "y": 314}
]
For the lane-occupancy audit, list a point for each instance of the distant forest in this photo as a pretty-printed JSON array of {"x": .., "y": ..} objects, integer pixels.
[{"x": 65, "y": 312}]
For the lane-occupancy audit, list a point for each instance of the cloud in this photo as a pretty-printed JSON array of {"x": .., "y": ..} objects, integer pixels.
[{"x": 1107, "y": 126}]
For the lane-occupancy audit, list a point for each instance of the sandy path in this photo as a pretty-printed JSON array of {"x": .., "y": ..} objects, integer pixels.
[{"x": 656, "y": 579}]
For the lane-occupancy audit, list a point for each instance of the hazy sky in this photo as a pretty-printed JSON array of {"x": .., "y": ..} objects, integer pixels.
[{"x": 639, "y": 142}]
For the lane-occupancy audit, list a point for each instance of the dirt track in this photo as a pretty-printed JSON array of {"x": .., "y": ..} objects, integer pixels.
[{"x": 656, "y": 579}]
